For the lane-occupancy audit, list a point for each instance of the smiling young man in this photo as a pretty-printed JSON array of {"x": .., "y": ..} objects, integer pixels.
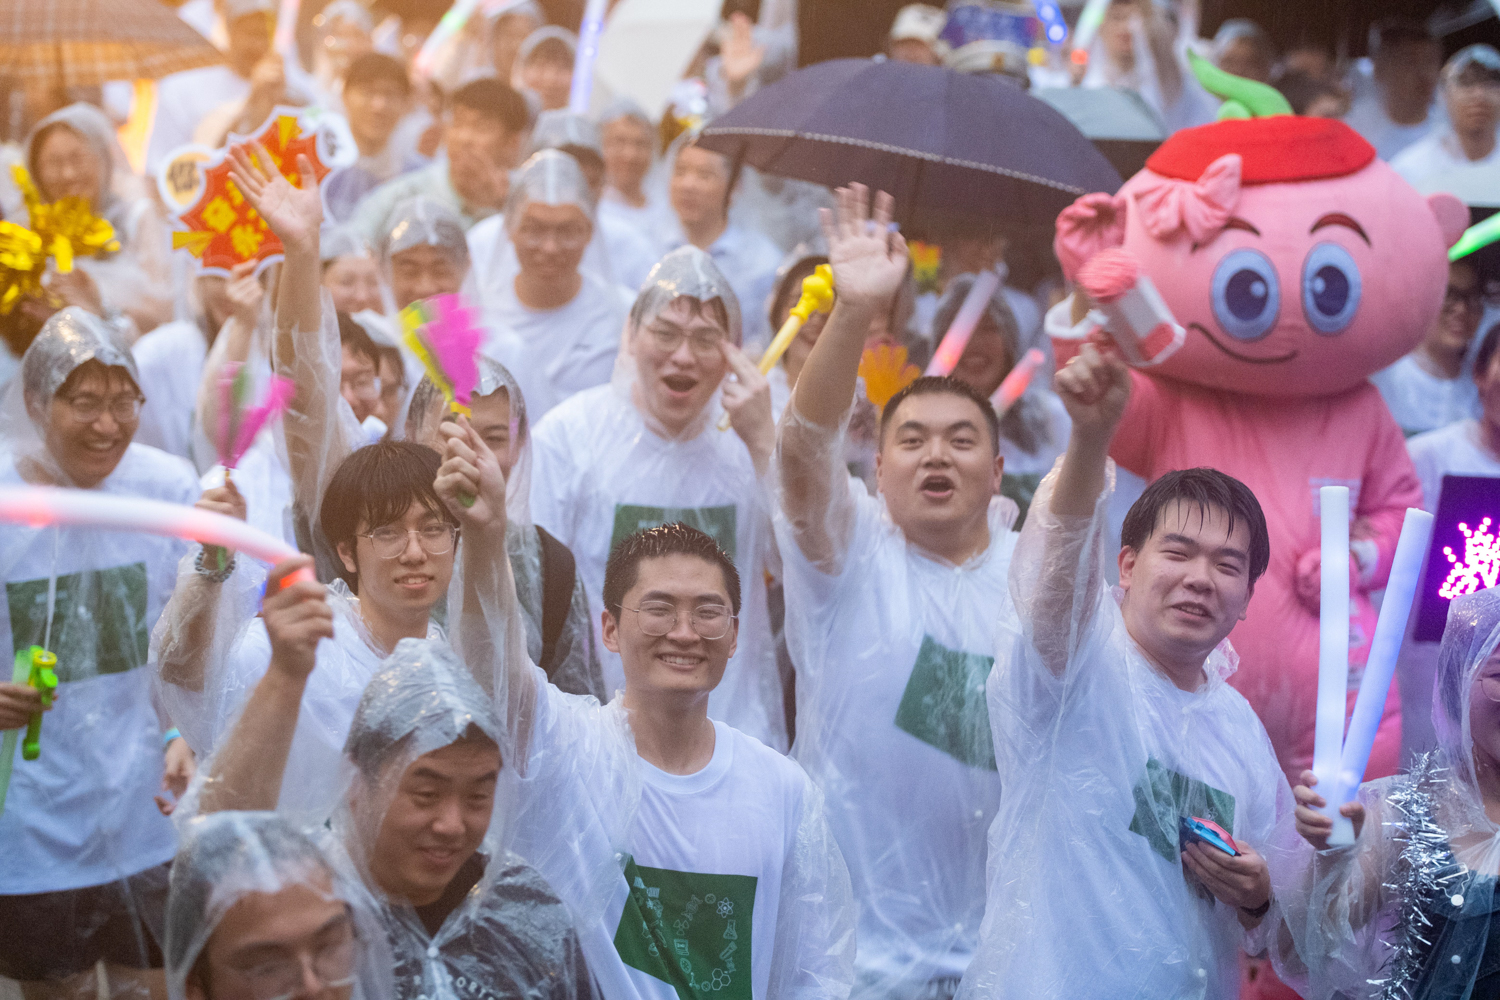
[
  {"x": 890, "y": 619},
  {"x": 696, "y": 860},
  {"x": 1114, "y": 727},
  {"x": 645, "y": 450},
  {"x": 412, "y": 807}
]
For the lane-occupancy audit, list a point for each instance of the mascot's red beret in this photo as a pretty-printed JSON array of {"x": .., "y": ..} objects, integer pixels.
[{"x": 1272, "y": 150}]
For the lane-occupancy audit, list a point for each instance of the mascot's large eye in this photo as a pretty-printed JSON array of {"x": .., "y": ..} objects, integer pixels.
[
  {"x": 1330, "y": 288},
  {"x": 1246, "y": 295}
]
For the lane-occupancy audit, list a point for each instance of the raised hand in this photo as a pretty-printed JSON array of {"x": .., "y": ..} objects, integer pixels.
[
  {"x": 297, "y": 617},
  {"x": 746, "y": 396},
  {"x": 1094, "y": 386},
  {"x": 739, "y": 57},
  {"x": 869, "y": 261},
  {"x": 470, "y": 470},
  {"x": 245, "y": 293},
  {"x": 293, "y": 213},
  {"x": 1313, "y": 826}
]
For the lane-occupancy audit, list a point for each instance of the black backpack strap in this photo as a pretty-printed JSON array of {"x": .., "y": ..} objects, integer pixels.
[{"x": 558, "y": 573}]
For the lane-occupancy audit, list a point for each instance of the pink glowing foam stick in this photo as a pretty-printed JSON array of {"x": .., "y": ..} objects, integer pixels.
[
  {"x": 1016, "y": 383},
  {"x": 45, "y": 506},
  {"x": 951, "y": 348},
  {"x": 1134, "y": 314}
]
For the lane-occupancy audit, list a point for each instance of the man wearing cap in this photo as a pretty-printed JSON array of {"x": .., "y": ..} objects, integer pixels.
[
  {"x": 1471, "y": 93},
  {"x": 914, "y": 35}
]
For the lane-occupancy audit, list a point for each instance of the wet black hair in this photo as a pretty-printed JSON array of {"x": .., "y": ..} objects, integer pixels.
[
  {"x": 1202, "y": 488},
  {"x": 496, "y": 101},
  {"x": 377, "y": 485},
  {"x": 653, "y": 543},
  {"x": 354, "y": 337},
  {"x": 931, "y": 385}
]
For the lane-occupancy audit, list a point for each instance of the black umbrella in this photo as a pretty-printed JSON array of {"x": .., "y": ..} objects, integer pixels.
[{"x": 950, "y": 147}]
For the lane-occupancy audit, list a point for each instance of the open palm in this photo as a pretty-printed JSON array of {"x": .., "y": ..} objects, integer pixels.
[
  {"x": 294, "y": 214},
  {"x": 868, "y": 260}
]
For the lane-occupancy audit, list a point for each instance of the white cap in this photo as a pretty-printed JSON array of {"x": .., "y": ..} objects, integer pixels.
[{"x": 919, "y": 21}]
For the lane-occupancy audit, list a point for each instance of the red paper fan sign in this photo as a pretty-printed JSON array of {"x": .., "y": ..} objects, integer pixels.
[{"x": 217, "y": 224}]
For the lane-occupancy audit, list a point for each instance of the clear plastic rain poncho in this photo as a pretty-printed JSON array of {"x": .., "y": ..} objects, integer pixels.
[
  {"x": 1099, "y": 762},
  {"x": 82, "y": 813},
  {"x": 136, "y": 279},
  {"x": 605, "y": 468},
  {"x": 228, "y": 856},
  {"x": 727, "y": 880},
  {"x": 1407, "y": 910},
  {"x": 574, "y": 664},
  {"x": 650, "y": 217},
  {"x": 892, "y": 647},
  {"x": 552, "y": 352}
]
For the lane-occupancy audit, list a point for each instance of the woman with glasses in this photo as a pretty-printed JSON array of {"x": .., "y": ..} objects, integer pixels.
[
  {"x": 85, "y": 850},
  {"x": 1430, "y": 388},
  {"x": 1412, "y": 903},
  {"x": 555, "y": 326},
  {"x": 647, "y": 450}
]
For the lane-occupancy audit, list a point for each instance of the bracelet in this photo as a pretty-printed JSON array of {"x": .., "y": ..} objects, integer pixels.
[
  {"x": 217, "y": 574},
  {"x": 1259, "y": 911},
  {"x": 168, "y": 736}
]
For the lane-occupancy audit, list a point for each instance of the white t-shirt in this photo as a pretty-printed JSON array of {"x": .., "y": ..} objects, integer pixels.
[
  {"x": 170, "y": 360},
  {"x": 1437, "y": 153},
  {"x": 82, "y": 813},
  {"x": 554, "y": 353},
  {"x": 183, "y": 100},
  {"x": 892, "y": 656},
  {"x": 601, "y": 474},
  {"x": 1367, "y": 116},
  {"x": 716, "y": 880},
  {"x": 1454, "y": 450},
  {"x": 1087, "y": 893},
  {"x": 1421, "y": 401}
]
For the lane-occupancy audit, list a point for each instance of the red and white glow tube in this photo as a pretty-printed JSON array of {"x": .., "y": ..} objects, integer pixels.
[{"x": 1136, "y": 317}]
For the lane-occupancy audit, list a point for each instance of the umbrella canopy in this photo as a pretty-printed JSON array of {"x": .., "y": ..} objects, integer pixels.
[
  {"x": 1121, "y": 125},
  {"x": 948, "y": 146},
  {"x": 646, "y": 46},
  {"x": 83, "y": 43}
]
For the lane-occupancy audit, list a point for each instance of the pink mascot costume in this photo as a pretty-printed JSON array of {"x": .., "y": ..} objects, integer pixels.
[{"x": 1298, "y": 264}]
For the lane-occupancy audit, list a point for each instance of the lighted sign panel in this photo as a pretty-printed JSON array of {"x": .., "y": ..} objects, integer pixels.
[{"x": 1465, "y": 551}]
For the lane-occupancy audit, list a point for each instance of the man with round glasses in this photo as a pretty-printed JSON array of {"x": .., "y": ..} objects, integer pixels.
[
  {"x": 84, "y": 861},
  {"x": 694, "y": 858},
  {"x": 647, "y": 450},
  {"x": 554, "y": 324}
]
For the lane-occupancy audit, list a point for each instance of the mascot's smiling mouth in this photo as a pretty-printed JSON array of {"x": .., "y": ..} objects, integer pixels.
[{"x": 1238, "y": 356}]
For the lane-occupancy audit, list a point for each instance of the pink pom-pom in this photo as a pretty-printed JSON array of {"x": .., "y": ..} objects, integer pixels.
[
  {"x": 453, "y": 338},
  {"x": 1108, "y": 275}
]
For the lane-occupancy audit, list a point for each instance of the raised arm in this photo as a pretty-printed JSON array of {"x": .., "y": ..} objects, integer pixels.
[
  {"x": 185, "y": 633},
  {"x": 246, "y": 772},
  {"x": 233, "y": 343},
  {"x": 868, "y": 261}
]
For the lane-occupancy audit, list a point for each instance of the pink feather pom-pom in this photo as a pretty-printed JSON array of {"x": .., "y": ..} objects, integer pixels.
[
  {"x": 278, "y": 397},
  {"x": 453, "y": 338}
]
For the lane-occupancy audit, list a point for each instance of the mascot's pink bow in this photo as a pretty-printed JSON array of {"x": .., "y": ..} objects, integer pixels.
[{"x": 1200, "y": 207}]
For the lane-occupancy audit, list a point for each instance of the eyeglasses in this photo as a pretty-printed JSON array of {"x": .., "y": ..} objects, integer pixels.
[
  {"x": 710, "y": 621},
  {"x": 1490, "y": 685},
  {"x": 571, "y": 237},
  {"x": 390, "y": 541},
  {"x": 363, "y": 386},
  {"x": 89, "y": 408},
  {"x": 705, "y": 345},
  {"x": 281, "y": 978}
]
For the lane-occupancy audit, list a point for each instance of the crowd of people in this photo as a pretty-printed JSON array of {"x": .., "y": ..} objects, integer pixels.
[{"x": 654, "y": 674}]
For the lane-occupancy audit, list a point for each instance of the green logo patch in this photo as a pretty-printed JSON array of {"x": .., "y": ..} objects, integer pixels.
[
  {"x": 98, "y": 625},
  {"x": 943, "y": 704},
  {"x": 716, "y": 522},
  {"x": 691, "y": 931},
  {"x": 1163, "y": 797}
]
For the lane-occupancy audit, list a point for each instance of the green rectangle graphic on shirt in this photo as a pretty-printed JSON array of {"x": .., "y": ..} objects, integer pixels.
[
  {"x": 943, "y": 704},
  {"x": 98, "y": 623},
  {"x": 691, "y": 931},
  {"x": 717, "y": 523},
  {"x": 1163, "y": 797}
]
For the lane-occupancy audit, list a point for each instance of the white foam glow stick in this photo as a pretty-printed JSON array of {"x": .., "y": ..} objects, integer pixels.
[
  {"x": 1089, "y": 21},
  {"x": 284, "y": 40},
  {"x": 451, "y": 24},
  {"x": 1333, "y": 648},
  {"x": 1395, "y": 608},
  {"x": 1015, "y": 384},
  {"x": 951, "y": 347},
  {"x": 44, "y": 506},
  {"x": 588, "y": 51}
]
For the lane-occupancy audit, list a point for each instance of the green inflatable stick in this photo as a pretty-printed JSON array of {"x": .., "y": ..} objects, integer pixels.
[
  {"x": 1476, "y": 237},
  {"x": 1242, "y": 98}
]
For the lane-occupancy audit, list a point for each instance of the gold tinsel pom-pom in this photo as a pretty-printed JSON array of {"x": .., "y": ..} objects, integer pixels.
[{"x": 60, "y": 230}]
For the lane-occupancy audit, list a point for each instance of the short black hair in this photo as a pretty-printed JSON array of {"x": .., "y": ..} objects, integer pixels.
[
  {"x": 1203, "y": 488},
  {"x": 653, "y": 543},
  {"x": 375, "y": 67},
  {"x": 931, "y": 385},
  {"x": 1488, "y": 342},
  {"x": 371, "y": 749},
  {"x": 496, "y": 101},
  {"x": 1302, "y": 89},
  {"x": 376, "y": 485},
  {"x": 1393, "y": 32},
  {"x": 354, "y": 337}
]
